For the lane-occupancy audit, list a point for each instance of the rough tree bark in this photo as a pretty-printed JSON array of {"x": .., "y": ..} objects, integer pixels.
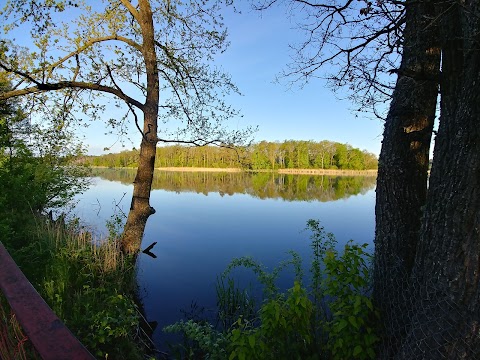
[
  {"x": 403, "y": 166},
  {"x": 446, "y": 275}
]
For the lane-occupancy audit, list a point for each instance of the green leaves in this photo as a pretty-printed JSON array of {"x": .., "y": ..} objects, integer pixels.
[
  {"x": 351, "y": 328},
  {"x": 333, "y": 319},
  {"x": 284, "y": 329},
  {"x": 206, "y": 338}
]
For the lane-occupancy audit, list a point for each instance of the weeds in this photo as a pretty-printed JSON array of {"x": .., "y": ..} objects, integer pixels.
[
  {"x": 14, "y": 343},
  {"x": 88, "y": 284},
  {"x": 332, "y": 317}
]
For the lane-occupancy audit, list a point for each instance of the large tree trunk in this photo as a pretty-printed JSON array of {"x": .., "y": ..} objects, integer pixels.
[
  {"x": 140, "y": 208},
  {"x": 403, "y": 169},
  {"x": 446, "y": 276}
]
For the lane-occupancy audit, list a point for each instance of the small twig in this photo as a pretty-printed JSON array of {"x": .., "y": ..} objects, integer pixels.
[
  {"x": 118, "y": 203},
  {"x": 99, "y": 207},
  {"x": 148, "y": 252}
]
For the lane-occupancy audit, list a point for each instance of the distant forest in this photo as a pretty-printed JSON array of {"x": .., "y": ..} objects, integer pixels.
[
  {"x": 261, "y": 185},
  {"x": 264, "y": 155}
]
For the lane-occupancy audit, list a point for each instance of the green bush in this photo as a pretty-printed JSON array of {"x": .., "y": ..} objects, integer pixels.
[
  {"x": 37, "y": 167},
  {"x": 351, "y": 329},
  {"x": 331, "y": 318},
  {"x": 201, "y": 341},
  {"x": 89, "y": 287},
  {"x": 284, "y": 330}
]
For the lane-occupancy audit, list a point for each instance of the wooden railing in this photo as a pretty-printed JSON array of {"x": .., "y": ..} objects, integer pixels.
[{"x": 47, "y": 333}]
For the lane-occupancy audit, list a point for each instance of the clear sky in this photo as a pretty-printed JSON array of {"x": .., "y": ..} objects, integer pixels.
[{"x": 258, "y": 52}]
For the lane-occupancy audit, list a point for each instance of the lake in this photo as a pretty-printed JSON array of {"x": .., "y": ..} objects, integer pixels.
[{"x": 205, "y": 219}]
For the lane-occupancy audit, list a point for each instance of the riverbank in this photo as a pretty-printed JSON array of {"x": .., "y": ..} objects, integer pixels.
[
  {"x": 332, "y": 172},
  {"x": 89, "y": 284},
  {"x": 329, "y": 172}
]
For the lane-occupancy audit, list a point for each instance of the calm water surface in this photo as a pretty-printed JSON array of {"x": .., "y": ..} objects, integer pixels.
[{"x": 203, "y": 220}]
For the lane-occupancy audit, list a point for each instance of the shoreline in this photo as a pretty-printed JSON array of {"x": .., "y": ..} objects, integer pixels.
[
  {"x": 328, "y": 172},
  {"x": 279, "y": 171},
  {"x": 331, "y": 172}
]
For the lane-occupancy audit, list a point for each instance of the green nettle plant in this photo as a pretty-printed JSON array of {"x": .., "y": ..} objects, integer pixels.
[
  {"x": 284, "y": 330},
  {"x": 202, "y": 340},
  {"x": 331, "y": 318},
  {"x": 351, "y": 328}
]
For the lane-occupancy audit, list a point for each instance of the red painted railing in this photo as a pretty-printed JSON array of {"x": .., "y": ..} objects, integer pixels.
[{"x": 47, "y": 333}]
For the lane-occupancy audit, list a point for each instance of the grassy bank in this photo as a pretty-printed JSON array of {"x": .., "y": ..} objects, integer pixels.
[{"x": 89, "y": 285}]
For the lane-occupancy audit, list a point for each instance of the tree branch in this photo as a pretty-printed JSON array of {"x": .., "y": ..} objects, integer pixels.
[
  {"x": 131, "y": 9},
  {"x": 90, "y": 43},
  {"x": 66, "y": 85}
]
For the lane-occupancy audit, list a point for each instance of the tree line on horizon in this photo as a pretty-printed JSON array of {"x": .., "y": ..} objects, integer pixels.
[
  {"x": 262, "y": 185},
  {"x": 264, "y": 155}
]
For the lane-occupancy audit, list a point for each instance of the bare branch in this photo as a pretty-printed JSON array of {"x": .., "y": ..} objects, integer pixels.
[
  {"x": 39, "y": 88},
  {"x": 128, "y": 103}
]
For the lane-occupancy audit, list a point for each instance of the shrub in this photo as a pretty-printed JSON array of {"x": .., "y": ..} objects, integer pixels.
[{"x": 332, "y": 318}]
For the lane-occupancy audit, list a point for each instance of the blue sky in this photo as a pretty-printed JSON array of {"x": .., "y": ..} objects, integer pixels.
[{"x": 258, "y": 52}]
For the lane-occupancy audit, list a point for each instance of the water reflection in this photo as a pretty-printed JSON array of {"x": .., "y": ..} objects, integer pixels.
[
  {"x": 197, "y": 235},
  {"x": 260, "y": 185}
]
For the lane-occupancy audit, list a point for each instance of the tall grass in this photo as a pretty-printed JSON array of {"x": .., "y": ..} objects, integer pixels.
[
  {"x": 14, "y": 344},
  {"x": 89, "y": 284}
]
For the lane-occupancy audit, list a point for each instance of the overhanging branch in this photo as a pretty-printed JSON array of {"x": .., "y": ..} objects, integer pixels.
[
  {"x": 39, "y": 88},
  {"x": 91, "y": 42}
]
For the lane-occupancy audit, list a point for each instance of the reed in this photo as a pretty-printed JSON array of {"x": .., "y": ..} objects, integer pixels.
[{"x": 89, "y": 284}]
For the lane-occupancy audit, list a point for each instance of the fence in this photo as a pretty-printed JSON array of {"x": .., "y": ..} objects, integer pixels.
[
  {"x": 48, "y": 335},
  {"x": 423, "y": 320}
]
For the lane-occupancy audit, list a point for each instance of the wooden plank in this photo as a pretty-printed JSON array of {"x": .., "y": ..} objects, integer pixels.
[{"x": 50, "y": 337}]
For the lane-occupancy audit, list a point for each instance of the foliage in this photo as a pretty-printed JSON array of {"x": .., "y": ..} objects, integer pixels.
[
  {"x": 90, "y": 287},
  {"x": 124, "y": 54},
  {"x": 258, "y": 156},
  {"x": 36, "y": 166},
  {"x": 284, "y": 330},
  {"x": 203, "y": 340},
  {"x": 265, "y": 278},
  {"x": 331, "y": 318},
  {"x": 351, "y": 331}
]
